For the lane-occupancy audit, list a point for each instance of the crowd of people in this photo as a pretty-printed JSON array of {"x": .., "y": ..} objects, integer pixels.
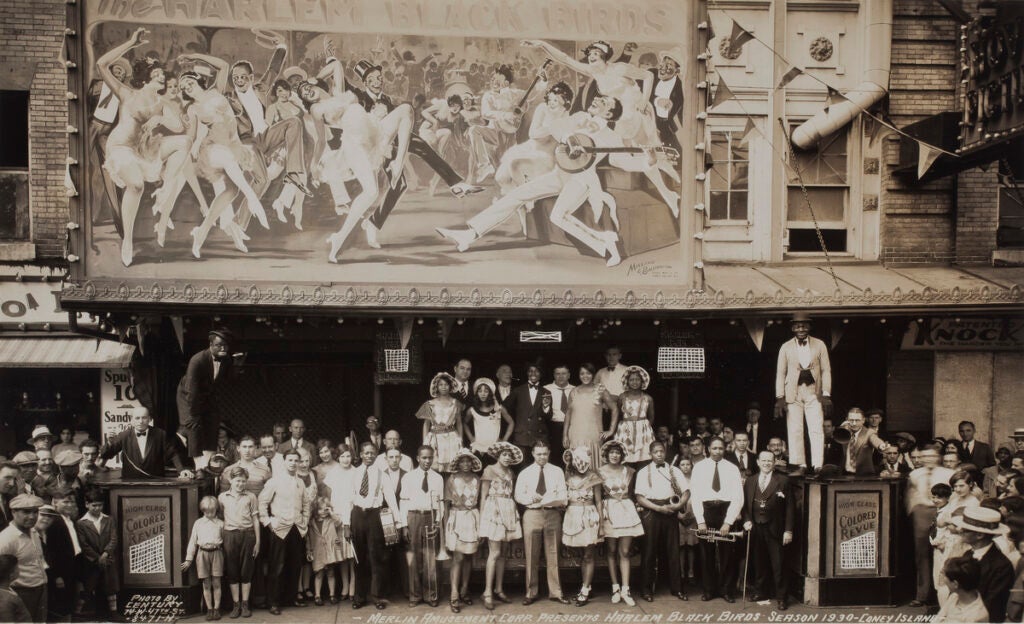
[{"x": 564, "y": 467}]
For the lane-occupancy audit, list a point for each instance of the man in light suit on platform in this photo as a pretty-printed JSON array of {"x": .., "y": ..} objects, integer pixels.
[{"x": 803, "y": 385}]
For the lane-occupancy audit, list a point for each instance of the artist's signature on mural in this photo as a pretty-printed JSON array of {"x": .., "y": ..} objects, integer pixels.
[{"x": 650, "y": 269}]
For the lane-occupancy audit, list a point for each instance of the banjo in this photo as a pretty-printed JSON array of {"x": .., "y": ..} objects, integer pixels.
[{"x": 578, "y": 152}]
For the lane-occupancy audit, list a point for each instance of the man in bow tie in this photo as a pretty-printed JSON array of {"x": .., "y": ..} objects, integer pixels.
[
  {"x": 611, "y": 375},
  {"x": 530, "y": 407},
  {"x": 803, "y": 385},
  {"x": 770, "y": 511},
  {"x": 145, "y": 450}
]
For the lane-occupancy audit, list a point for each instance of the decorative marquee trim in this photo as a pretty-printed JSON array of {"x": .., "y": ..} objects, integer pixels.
[{"x": 238, "y": 295}]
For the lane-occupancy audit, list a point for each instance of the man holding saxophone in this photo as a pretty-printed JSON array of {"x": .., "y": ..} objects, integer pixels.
[{"x": 422, "y": 493}]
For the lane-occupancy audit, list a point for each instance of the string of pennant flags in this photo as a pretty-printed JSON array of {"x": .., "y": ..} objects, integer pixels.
[{"x": 740, "y": 36}]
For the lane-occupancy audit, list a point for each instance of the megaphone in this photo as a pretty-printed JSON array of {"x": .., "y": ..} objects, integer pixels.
[{"x": 842, "y": 433}]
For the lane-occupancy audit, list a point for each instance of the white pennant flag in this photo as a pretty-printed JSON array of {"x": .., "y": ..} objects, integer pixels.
[{"x": 926, "y": 156}]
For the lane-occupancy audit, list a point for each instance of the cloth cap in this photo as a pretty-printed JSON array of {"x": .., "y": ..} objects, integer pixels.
[
  {"x": 68, "y": 457},
  {"x": 25, "y": 457},
  {"x": 31, "y": 501}
]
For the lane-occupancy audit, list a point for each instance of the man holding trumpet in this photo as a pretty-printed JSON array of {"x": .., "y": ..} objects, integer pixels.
[
  {"x": 716, "y": 491},
  {"x": 422, "y": 492}
]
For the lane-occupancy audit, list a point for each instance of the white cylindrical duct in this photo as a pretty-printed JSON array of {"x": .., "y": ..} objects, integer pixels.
[{"x": 878, "y": 42}]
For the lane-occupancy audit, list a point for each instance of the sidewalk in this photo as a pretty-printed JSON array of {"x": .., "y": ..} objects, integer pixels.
[{"x": 665, "y": 608}]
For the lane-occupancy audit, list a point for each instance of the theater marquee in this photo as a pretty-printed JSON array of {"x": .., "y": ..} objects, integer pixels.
[{"x": 394, "y": 153}]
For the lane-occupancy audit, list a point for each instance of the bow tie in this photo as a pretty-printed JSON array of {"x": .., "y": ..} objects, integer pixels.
[
  {"x": 534, "y": 386},
  {"x": 611, "y": 369},
  {"x": 661, "y": 465},
  {"x": 802, "y": 343},
  {"x": 141, "y": 435}
]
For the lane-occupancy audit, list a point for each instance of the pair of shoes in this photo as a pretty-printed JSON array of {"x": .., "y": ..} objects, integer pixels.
[
  {"x": 500, "y": 595},
  {"x": 275, "y": 610},
  {"x": 529, "y": 600},
  {"x": 357, "y": 604},
  {"x": 560, "y": 600},
  {"x": 380, "y": 605},
  {"x": 246, "y": 611},
  {"x": 413, "y": 603},
  {"x": 758, "y": 598},
  {"x": 488, "y": 603},
  {"x": 209, "y": 615},
  {"x": 782, "y": 605},
  {"x": 466, "y": 600},
  {"x": 236, "y": 610},
  {"x": 916, "y": 603},
  {"x": 706, "y": 596},
  {"x": 616, "y": 594},
  {"x": 682, "y": 596},
  {"x": 728, "y": 599},
  {"x": 648, "y": 597},
  {"x": 454, "y": 606},
  {"x": 433, "y": 603},
  {"x": 318, "y": 601},
  {"x": 334, "y": 600}
]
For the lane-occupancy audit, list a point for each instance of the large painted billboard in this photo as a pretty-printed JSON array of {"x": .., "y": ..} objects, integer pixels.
[{"x": 386, "y": 152}]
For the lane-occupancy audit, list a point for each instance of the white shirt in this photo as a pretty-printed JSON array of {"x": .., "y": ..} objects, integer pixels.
[
  {"x": 96, "y": 520},
  {"x": 275, "y": 465},
  {"x": 981, "y": 552},
  {"x": 533, "y": 390},
  {"x": 919, "y": 485},
  {"x": 555, "y": 493},
  {"x": 74, "y": 534},
  {"x": 461, "y": 387},
  {"x": 730, "y": 488},
  {"x": 557, "y": 415},
  {"x": 503, "y": 391},
  {"x": 254, "y": 109},
  {"x": 803, "y": 353},
  {"x": 405, "y": 463},
  {"x": 141, "y": 441},
  {"x": 611, "y": 380},
  {"x": 664, "y": 90},
  {"x": 653, "y": 482},
  {"x": 377, "y": 495},
  {"x": 415, "y": 499}
]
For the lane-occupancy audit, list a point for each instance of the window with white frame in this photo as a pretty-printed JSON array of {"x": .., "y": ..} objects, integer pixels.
[
  {"x": 728, "y": 181},
  {"x": 824, "y": 169},
  {"x": 14, "y": 191}
]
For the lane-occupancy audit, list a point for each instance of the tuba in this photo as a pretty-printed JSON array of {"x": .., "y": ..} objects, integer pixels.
[{"x": 842, "y": 433}]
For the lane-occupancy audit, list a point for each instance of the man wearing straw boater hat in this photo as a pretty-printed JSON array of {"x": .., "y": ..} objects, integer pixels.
[
  {"x": 803, "y": 385},
  {"x": 1018, "y": 439},
  {"x": 979, "y": 526}
]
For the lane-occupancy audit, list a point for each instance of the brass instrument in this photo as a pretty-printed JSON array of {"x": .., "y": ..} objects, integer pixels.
[
  {"x": 433, "y": 549},
  {"x": 713, "y": 535}
]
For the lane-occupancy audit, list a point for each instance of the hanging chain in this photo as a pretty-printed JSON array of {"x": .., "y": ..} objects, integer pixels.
[{"x": 803, "y": 190}]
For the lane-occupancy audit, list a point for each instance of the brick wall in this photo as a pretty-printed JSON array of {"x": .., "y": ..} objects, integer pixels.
[
  {"x": 977, "y": 217},
  {"x": 31, "y": 32}
]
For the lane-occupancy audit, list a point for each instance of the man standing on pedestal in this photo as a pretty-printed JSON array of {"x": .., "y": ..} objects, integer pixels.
[
  {"x": 803, "y": 385},
  {"x": 198, "y": 415},
  {"x": 768, "y": 503}
]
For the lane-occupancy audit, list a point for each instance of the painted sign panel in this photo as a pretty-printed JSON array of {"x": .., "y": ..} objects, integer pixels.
[
  {"x": 857, "y": 533},
  {"x": 146, "y": 540},
  {"x": 947, "y": 334},
  {"x": 117, "y": 400},
  {"x": 303, "y": 152}
]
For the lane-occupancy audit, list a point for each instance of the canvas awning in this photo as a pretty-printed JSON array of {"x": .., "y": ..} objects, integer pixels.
[
  {"x": 863, "y": 286},
  {"x": 63, "y": 352}
]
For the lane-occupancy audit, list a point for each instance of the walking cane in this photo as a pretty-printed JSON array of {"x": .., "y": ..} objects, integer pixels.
[{"x": 746, "y": 564}]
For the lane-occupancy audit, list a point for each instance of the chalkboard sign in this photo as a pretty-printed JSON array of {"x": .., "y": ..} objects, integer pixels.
[
  {"x": 146, "y": 540},
  {"x": 155, "y": 606},
  {"x": 857, "y": 533}
]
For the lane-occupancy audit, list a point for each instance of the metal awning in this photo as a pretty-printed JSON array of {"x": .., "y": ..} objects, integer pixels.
[
  {"x": 861, "y": 286},
  {"x": 63, "y": 352}
]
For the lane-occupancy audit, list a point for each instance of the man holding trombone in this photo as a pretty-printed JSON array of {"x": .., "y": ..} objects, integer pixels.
[
  {"x": 716, "y": 491},
  {"x": 422, "y": 493}
]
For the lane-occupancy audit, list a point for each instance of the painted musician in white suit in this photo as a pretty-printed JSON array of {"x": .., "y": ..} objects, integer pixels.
[{"x": 803, "y": 385}]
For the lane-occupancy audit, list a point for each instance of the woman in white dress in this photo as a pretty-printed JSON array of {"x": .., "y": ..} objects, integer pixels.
[
  {"x": 483, "y": 420},
  {"x": 581, "y": 526},
  {"x": 636, "y": 409},
  {"x": 442, "y": 422},
  {"x": 341, "y": 485},
  {"x": 620, "y": 521}
]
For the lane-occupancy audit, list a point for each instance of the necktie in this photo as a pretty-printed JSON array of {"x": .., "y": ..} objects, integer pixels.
[
  {"x": 716, "y": 481},
  {"x": 565, "y": 402},
  {"x": 426, "y": 485},
  {"x": 364, "y": 488},
  {"x": 542, "y": 487},
  {"x": 141, "y": 435}
]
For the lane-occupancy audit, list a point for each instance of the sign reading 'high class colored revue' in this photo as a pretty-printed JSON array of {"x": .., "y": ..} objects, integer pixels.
[{"x": 473, "y": 153}]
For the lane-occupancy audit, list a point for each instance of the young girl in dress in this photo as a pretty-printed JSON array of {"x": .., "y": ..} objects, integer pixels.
[
  {"x": 581, "y": 526},
  {"x": 462, "y": 530},
  {"x": 637, "y": 409},
  {"x": 499, "y": 518},
  {"x": 619, "y": 520},
  {"x": 687, "y": 539},
  {"x": 340, "y": 484},
  {"x": 442, "y": 421},
  {"x": 484, "y": 418},
  {"x": 324, "y": 549}
]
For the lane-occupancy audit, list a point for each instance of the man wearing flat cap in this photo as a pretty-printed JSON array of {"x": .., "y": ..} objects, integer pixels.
[
  {"x": 20, "y": 540},
  {"x": 803, "y": 385},
  {"x": 198, "y": 415}
]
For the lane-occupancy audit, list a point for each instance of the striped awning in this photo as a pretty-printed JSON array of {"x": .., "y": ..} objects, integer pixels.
[{"x": 63, "y": 352}]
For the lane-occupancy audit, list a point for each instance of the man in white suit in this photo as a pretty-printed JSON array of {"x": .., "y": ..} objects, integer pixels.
[{"x": 803, "y": 385}]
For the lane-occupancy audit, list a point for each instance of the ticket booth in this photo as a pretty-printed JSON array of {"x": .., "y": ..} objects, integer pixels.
[
  {"x": 852, "y": 536},
  {"x": 153, "y": 519}
]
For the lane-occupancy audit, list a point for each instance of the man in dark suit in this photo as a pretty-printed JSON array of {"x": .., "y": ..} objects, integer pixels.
[
  {"x": 371, "y": 96},
  {"x": 145, "y": 450},
  {"x": 9, "y": 473},
  {"x": 297, "y": 440},
  {"x": 741, "y": 455},
  {"x": 891, "y": 466},
  {"x": 979, "y": 526},
  {"x": 198, "y": 416},
  {"x": 530, "y": 408},
  {"x": 972, "y": 451},
  {"x": 63, "y": 551},
  {"x": 860, "y": 449},
  {"x": 768, "y": 505},
  {"x": 667, "y": 97},
  {"x": 757, "y": 431}
]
